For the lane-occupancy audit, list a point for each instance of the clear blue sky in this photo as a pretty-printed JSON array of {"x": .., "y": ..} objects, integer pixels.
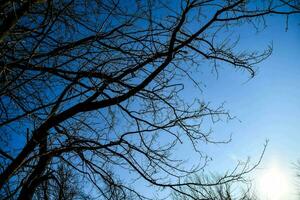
[{"x": 268, "y": 106}]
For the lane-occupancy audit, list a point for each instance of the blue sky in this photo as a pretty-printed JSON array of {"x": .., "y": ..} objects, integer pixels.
[{"x": 266, "y": 107}]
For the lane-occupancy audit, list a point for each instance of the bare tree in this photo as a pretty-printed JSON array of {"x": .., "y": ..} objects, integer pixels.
[
  {"x": 233, "y": 190},
  {"x": 96, "y": 86},
  {"x": 62, "y": 184}
]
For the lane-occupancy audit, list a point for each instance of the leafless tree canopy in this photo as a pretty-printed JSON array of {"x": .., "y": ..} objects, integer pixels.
[
  {"x": 228, "y": 191},
  {"x": 96, "y": 86}
]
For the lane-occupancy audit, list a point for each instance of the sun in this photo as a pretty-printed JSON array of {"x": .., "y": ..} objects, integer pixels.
[{"x": 273, "y": 184}]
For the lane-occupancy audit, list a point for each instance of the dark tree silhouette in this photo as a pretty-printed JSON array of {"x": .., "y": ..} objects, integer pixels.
[
  {"x": 61, "y": 184},
  {"x": 96, "y": 86},
  {"x": 233, "y": 190}
]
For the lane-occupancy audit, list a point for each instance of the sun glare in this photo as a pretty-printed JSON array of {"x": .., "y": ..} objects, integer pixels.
[{"x": 273, "y": 184}]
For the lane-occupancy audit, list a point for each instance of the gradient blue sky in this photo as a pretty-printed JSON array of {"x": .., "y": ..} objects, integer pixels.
[{"x": 268, "y": 106}]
